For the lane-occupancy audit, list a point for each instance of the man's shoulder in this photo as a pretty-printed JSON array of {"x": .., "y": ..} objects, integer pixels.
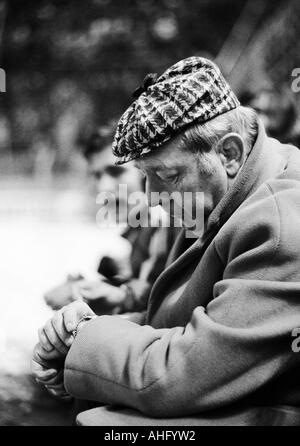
[
  {"x": 268, "y": 219},
  {"x": 279, "y": 195}
]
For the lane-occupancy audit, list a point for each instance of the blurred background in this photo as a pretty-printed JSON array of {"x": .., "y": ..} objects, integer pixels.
[{"x": 70, "y": 67}]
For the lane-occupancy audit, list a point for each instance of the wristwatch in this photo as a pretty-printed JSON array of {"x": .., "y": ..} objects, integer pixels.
[{"x": 83, "y": 318}]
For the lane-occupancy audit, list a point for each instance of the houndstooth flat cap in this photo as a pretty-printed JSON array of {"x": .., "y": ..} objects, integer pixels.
[{"x": 193, "y": 90}]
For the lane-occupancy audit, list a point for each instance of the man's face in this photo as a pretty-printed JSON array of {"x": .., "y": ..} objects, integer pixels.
[
  {"x": 173, "y": 169},
  {"x": 107, "y": 176}
]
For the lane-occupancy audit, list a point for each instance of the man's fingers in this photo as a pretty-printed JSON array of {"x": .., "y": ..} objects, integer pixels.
[
  {"x": 76, "y": 291},
  {"x": 59, "y": 327},
  {"x": 45, "y": 376},
  {"x": 93, "y": 290},
  {"x": 59, "y": 386},
  {"x": 74, "y": 312},
  {"x": 51, "y": 380},
  {"x": 89, "y": 284},
  {"x": 54, "y": 339},
  {"x": 44, "y": 340},
  {"x": 92, "y": 294},
  {"x": 59, "y": 393},
  {"x": 45, "y": 357},
  {"x": 42, "y": 373},
  {"x": 70, "y": 318}
]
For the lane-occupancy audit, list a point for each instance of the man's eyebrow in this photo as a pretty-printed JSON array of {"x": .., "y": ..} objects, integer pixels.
[
  {"x": 154, "y": 165},
  {"x": 148, "y": 166}
]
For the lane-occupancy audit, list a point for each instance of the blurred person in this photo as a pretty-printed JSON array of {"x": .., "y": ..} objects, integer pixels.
[
  {"x": 121, "y": 284},
  {"x": 277, "y": 109},
  {"x": 216, "y": 339}
]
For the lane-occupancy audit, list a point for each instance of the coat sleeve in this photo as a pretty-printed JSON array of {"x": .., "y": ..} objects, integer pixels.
[{"x": 228, "y": 350}]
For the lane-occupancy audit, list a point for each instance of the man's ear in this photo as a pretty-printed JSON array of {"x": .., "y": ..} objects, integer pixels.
[{"x": 231, "y": 149}]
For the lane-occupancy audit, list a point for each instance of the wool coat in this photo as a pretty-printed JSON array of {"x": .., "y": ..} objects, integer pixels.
[{"x": 220, "y": 319}]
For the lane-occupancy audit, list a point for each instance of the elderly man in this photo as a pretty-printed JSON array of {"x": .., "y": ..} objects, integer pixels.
[{"x": 218, "y": 332}]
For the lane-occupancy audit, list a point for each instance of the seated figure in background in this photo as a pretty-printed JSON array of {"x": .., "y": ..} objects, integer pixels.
[
  {"x": 277, "y": 108},
  {"x": 121, "y": 286}
]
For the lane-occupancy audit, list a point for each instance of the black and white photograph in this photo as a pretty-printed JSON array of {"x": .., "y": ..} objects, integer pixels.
[{"x": 149, "y": 215}]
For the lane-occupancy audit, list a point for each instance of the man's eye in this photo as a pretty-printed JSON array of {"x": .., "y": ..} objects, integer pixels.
[{"x": 171, "y": 178}]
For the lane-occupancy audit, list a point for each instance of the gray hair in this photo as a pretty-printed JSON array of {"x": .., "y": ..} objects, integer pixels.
[{"x": 204, "y": 137}]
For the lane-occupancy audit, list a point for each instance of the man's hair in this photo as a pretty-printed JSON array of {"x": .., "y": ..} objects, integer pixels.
[
  {"x": 204, "y": 137},
  {"x": 98, "y": 141}
]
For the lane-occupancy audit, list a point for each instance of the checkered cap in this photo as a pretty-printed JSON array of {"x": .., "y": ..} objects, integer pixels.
[{"x": 193, "y": 90}]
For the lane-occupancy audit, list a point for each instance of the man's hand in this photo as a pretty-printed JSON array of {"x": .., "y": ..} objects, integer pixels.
[
  {"x": 63, "y": 294},
  {"x": 56, "y": 337},
  {"x": 47, "y": 368},
  {"x": 57, "y": 333},
  {"x": 103, "y": 297}
]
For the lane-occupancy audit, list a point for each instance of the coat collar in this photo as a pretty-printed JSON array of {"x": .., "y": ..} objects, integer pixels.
[{"x": 263, "y": 162}]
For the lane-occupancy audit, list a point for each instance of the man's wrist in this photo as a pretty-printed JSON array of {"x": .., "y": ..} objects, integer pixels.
[{"x": 82, "y": 321}]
